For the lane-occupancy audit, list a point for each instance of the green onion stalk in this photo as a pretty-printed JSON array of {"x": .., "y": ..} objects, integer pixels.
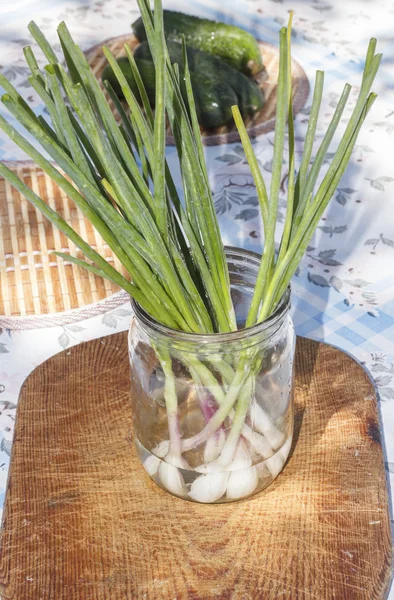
[{"x": 111, "y": 163}]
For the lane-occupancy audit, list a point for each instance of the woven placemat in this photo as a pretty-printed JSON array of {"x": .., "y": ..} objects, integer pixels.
[{"x": 32, "y": 282}]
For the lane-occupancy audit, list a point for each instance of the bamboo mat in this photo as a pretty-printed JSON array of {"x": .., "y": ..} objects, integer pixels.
[{"x": 32, "y": 282}]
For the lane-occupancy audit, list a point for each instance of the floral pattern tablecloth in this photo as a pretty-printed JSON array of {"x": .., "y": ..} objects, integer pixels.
[{"x": 343, "y": 293}]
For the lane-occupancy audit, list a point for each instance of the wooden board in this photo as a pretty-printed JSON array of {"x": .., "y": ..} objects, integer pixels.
[
  {"x": 262, "y": 122},
  {"x": 84, "y": 522}
]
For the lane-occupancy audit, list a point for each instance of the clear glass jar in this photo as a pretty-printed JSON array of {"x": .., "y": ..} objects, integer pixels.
[{"x": 213, "y": 414}]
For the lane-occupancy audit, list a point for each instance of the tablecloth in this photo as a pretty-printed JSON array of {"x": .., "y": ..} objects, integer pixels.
[{"x": 343, "y": 292}]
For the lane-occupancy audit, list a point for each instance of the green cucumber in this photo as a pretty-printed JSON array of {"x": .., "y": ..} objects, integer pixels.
[
  {"x": 213, "y": 99},
  {"x": 249, "y": 96},
  {"x": 232, "y": 44},
  {"x": 147, "y": 72}
]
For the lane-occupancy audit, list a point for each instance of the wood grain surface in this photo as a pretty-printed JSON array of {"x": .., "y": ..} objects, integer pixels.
[{"x": 84, "y": 522}]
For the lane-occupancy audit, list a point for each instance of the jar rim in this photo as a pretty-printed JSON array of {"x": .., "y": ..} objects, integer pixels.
[{"x": 150, "y": 323}]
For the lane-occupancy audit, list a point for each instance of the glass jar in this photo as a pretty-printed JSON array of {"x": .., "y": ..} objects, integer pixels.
[{"x": 213, "y": 414}]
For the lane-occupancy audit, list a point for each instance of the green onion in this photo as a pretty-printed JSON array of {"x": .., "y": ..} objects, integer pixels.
[{"x": 113, "y": 167}]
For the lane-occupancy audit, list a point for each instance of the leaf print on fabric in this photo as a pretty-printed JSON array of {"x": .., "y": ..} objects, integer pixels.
[
  {"x": 387, "y": 127},
  {"x": 229, "y": 159},
  {"x": 5, "y": 446},
  {"x": 372, "y": 242},
  {"x": 350, "y": 288},
  {"x": 109, "y": 321},
  {"x": 112, "y": 319},
  {"x": 239, "y": 150},
  {"x": 360, "y": 150},
  {"x": 15, "y": 73},
  {"x": 322, "y": 7},
  {"x": 238, "y": 156},
  {"x": 383, "y": 380},
  {"x": 363, "y": 148},
  {"x": 370, "y": 298},
  {"x": 247, "y": 214},
  {"x": 343, "y": 195},
  {"x": 225, "y": 199},
  {"x": 3, "y": 348},
  {"x": 384, "y": 377},
  {"x": 75, "y": 328},
  {"x": 377, "y": 184},
  {"x": 23, "y": 42},
  {"x": 331, "y": 230},
  {"x": 333, "y": 99},
  {"x": 306, "y": 111},
  {"x": 122, "y": 312},
  {"x": 325, "y": 257},
  {"x": 378, "y": 358},
  {"x": 318, "y": 280},
  {"x": 336, "y": 283},
  {"x": 67, "y": 336},
  {"x": 328, "y": 158},
  {"x": 252, "y": 201},
  {"x": 388, "y": 242},
  {"x": 63, "y": 340},
  {"x": 376, "y": 241},
  {"x": 386, "y": 393},
  {"x": 357, "y": 283},
  {"x": 382, "y": 368}
]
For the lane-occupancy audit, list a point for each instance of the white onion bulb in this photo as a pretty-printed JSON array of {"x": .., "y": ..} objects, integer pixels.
[
  {"x": 214, "y": 446},
  {"x": 243, "y": 478},
  {"x": 275, "y": 464},
  {"x": 171, "y": 478},
  {"x": 261, "y": 421},
  {"x": 151, "y": 465},
  {"x": 242, "y": 483},
  {"x": 162, "y": 448},
  {"x": 285, "y": 450},
  {"x": 209, "y": 488},
  {"x": 258, "y": 442}
]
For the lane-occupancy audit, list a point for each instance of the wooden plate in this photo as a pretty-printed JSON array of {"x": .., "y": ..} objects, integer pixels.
[
  {"x": 83, "y": 520},
  {"x": 261, "y": 122}
]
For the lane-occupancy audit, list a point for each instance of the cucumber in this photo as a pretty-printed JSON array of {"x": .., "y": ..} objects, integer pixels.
[
  {"x": 249, "y": 96},
  {"x": 232, "y": 44},
  {"x": 213, "y": 99},
  {"x": 147, "y": 71}
]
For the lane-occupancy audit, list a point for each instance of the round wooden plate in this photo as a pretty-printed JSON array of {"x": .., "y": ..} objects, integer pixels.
[{"x": 261, "y": 122}]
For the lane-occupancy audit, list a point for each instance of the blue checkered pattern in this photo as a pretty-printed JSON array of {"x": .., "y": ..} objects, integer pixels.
[{"x": 344, "y": 326}]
